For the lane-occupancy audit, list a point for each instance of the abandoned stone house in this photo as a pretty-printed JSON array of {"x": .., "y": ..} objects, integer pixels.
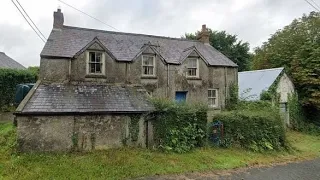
[{"x": 93, "y": 86}]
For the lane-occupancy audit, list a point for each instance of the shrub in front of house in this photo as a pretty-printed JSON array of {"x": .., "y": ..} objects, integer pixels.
[
  {"x": 256, "y": 130},
  {"x": 179, "y": 127},
  {"x": 9, "y": 79}
]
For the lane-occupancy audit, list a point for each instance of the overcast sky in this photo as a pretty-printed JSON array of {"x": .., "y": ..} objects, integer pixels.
[{"x": 252, "y": 20}]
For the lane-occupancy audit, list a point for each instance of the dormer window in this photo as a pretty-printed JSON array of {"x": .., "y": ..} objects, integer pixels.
[
  {"x": 148, "y": 65},
  {"x": 192, "y": 66},
  {"x": 95, "y": 63}
]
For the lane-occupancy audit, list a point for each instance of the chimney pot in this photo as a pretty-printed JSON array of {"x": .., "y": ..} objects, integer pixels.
[
  {"x": 58, "y": 19},
  {"x": 204, "y": 27}
]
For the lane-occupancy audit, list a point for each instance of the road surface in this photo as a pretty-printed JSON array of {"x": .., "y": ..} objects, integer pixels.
[{"x": 306, "y": 170}]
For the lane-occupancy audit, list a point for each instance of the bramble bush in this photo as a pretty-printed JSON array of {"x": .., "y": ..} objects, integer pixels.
[
  {"x": 179, "y": 127},
  {"x": 9, "y": 79},
  {"x": 256, "y": 126}
]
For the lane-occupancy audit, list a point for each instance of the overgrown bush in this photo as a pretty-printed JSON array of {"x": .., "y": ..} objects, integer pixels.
[
  {"x": 256, "y": 106},
  {"x": 179, "y": 127},
  {"x": 9, "y": 79},
  {"x": 298, "y": 119},
  {"x": 257, "y": 126},
  {"x": 232, "y": 99}
]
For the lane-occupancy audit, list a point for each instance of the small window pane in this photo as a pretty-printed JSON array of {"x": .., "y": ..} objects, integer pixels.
[
  {"x": 212, "y": 101},
  {"x": 192, "y": 63},
  {"x": 92, "y": 57},
  {"x": 92, "y": 68},
  {"x": 98, "y": 57},
  {"x": 214, "y": 93},
  {"x": 192, "y": 72},
  {"x": 98, "y": 68}
]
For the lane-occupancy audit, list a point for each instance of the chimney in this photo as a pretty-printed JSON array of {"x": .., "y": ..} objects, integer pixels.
[
  {"x": 58, "y": 19},
  {"x": 204, "y": 35}
]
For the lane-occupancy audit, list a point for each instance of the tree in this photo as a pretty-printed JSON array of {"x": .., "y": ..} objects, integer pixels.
[
  {"x": 35, "y": 70},
  {"x": 297, "y": 48},
  {"x": 229, "y": 45}
]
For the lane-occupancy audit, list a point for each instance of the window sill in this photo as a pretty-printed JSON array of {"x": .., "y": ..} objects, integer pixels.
[
  {"x": 193, "y": 78},
  {"x": 95, "y": 76},
  {"x": 149, "y": 77}
]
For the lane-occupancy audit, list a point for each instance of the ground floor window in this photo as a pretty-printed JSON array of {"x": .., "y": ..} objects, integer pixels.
[{"x": 213, "y": 97}]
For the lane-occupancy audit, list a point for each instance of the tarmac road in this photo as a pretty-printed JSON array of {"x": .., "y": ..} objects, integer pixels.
[{"x": 305, "y": 170}]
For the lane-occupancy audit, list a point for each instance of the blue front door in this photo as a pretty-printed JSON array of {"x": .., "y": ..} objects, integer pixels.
[{"x": 181, "y": 96}]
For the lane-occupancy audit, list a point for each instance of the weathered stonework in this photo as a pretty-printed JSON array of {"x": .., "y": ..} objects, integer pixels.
[
  {"x": 112, "y": 117},
  {"x": 81, "y": 133},
  {"x": 54, "y": 70}
]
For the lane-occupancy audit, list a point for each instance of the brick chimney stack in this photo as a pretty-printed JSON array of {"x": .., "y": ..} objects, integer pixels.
[
  {"x": 204, "y": 35},
  {"x": 58, "y": 19}
]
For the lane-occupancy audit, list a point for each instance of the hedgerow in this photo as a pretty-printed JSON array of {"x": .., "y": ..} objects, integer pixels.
[
  {"x": 9, "y": 79},
  {"x": 257, "y": 126},
  {"x": 298, "y": 120},
  {"x": 179, "y": 127}
]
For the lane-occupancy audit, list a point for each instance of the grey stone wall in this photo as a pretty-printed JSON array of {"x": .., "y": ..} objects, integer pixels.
[
  {"x": 54, "y": 70},
  {"x": 84, "y": 133},
  {"x": 115, "y": 72},
  {"x": 157, "y": 85},
  {"x": 168, "y": 79}
]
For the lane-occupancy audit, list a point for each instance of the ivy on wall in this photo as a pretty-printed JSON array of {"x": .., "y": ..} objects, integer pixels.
[
  {"x": 232, "y": 99},
  {"x": 134, "y": 127}
]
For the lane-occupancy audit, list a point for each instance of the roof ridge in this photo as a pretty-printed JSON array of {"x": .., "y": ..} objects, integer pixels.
[
  {"x": 125, "y": 33},
  {"x": 271, "y": 69}
]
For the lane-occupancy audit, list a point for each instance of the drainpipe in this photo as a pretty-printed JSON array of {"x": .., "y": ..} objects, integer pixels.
[
  {"x": 168, "y": 80},
  {"x": 69, "y": 73},
  {"x": 226, "y": 86},
  {"x": 126, "y": 74}
]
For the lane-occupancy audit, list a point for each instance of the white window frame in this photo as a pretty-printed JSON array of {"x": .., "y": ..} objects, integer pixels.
[
  {"x": 216, "y": 98},
  {"x": 154, "y": 66},
  {"x": 197, "y": 68},
  {"x": 102, "y": 63}
]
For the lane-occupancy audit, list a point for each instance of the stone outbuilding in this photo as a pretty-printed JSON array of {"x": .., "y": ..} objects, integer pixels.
[
  {"x": 64, "y": 117},
  {"x": 253, "y": 83},
  {"x": 94, "y": 86}
]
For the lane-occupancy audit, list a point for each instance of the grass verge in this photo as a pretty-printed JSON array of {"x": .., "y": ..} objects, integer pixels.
[{"x": 129, "y": 163}]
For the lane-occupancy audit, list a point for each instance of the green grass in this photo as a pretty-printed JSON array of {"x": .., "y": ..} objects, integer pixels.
[{"x": 129, "y": 163}]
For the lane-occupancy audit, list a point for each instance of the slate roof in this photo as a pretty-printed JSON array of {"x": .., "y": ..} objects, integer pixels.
[
  {"x": 91, "y": 99},
  {"x": 67, "y": 41},
  {"x": 7, "y": 62},
  {"x": 253, "y": 83}
]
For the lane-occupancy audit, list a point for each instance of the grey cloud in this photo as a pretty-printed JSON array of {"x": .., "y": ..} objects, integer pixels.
[{"x": 253, "y": 23}]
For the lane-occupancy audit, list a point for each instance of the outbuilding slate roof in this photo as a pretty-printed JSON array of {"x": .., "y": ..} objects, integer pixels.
[
  {"x": 91, "y": 99},
  {"x": 67, "y": 41},
  {"x": 7, "y": 62},
  {"x": 253, "y": 83}
]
